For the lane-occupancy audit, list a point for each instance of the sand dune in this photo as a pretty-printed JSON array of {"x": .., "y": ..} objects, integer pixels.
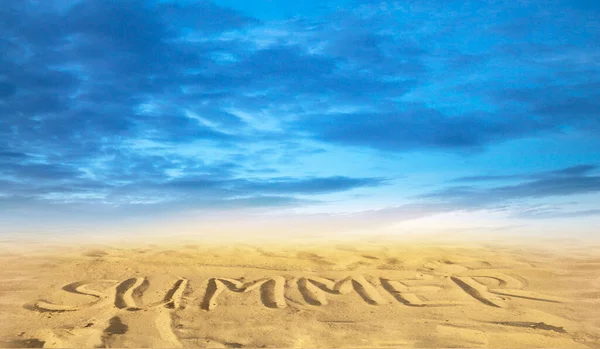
[{"x": 339, "y": 295}]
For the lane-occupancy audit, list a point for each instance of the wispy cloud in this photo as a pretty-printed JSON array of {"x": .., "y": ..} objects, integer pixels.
[{"x": 564, "y": 182}]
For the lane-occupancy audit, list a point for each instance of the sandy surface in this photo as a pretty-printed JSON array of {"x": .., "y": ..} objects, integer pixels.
[{"x": 393, "y": 294}]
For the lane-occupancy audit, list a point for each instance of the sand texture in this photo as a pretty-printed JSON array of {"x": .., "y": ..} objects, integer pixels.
[{"x": 372, "y": 295}]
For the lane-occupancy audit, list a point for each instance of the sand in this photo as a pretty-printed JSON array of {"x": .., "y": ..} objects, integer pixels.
[{"x": 370, "y": 294}]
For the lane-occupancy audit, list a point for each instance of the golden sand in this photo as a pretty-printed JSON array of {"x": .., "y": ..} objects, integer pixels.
[{"x": 394, "y": 294}]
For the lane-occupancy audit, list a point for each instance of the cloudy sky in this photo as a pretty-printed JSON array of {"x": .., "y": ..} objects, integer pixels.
[{"x": 344, "y": 114}]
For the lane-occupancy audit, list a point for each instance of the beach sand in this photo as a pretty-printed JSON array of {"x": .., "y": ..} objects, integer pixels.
[{"x": 335, "y": 294}]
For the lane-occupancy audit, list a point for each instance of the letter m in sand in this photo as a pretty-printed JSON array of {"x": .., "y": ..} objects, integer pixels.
[
  {"x": 314, "y": 289},
  {"x": 271, "y": 290}
]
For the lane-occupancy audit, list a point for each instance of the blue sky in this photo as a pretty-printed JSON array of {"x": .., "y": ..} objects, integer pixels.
[{"x": 139, "y": 111}]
